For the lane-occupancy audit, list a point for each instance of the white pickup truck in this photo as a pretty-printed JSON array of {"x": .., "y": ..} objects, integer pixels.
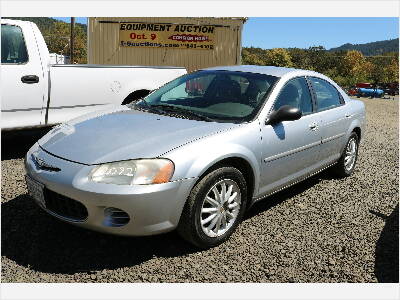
[{"x": 35, "y": 93}]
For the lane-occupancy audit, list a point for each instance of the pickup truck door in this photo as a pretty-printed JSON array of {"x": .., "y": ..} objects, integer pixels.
[
  {"x": 290, "y": 149},
  {"x": 22, "y": 77}
]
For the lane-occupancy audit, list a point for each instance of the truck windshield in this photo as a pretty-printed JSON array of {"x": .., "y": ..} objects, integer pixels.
[{"x": 224, "y": 96}]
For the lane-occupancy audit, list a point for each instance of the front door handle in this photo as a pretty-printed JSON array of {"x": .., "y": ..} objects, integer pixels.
[
  {"x": 29, "y": 79},
  {"x": 313, "y": 126}
]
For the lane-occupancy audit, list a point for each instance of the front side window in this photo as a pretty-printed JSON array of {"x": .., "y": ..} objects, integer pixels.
[
  {"x": 295, "y": 93},
  {"x": 327, "y": 95},
  {"x": 218, "y": 95},
  {"x": 13, "y": 49}
]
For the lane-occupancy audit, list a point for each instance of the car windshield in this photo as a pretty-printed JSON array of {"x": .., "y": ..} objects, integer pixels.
[{"x": 222, "y": 96}]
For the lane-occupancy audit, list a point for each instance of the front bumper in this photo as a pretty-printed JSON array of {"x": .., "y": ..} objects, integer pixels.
[{"x": 152, "y": 209}]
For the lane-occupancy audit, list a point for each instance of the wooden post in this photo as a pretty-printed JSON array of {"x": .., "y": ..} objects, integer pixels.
[{"x": 71, "y": 53}]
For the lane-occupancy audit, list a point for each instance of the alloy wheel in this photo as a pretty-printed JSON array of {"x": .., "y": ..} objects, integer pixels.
[
  {"x": 351, "y": 153},
  {"x": 220, "y": 208}
]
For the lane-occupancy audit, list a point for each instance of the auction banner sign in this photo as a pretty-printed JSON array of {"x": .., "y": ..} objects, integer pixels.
[{"x": 159, "y": 35}]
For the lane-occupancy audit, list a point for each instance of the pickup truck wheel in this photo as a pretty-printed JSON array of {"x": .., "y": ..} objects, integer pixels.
[
  {"x": 214, "y": 208},
  {"x": 347, "y": 162}
]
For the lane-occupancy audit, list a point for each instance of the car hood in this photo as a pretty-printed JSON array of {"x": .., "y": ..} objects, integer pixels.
[{"x": 122, "y": 133}]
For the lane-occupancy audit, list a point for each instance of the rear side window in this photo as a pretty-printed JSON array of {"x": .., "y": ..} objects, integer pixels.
[
  {"x": 13, "y": 49},
  {"x": 327, "y": 95}
]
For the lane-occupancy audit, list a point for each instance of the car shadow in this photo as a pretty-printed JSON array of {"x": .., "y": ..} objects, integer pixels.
[
  {"x": 15, "y": 144},
  {"x": 279, "y": 130},
  {"x": 34, "y": 239},
  {"x": 387, "y": 249}
]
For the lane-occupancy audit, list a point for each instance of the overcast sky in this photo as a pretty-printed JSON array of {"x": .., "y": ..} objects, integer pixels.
[{"x": 307, "y": 32}]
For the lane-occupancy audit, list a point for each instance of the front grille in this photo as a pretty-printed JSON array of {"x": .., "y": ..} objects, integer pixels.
[{"x": 65, "y": 207}]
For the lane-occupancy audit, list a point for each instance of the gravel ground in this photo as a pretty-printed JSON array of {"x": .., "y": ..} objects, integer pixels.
[{"x": 321, "y": 230}]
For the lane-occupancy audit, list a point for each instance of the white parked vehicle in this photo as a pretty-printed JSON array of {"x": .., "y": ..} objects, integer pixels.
[
  {"x": 56, "y": 59},
  {"x": 35, "y": 93}
]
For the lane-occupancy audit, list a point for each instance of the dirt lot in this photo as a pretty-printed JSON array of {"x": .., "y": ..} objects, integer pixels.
[{"x": 321, "y": 230}]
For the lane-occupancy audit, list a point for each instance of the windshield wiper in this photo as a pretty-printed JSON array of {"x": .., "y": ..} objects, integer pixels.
[
  {"x": 138, "y": 102},
  {"x": 142, "y": 104},
  {"x": 179, "y": 110}
]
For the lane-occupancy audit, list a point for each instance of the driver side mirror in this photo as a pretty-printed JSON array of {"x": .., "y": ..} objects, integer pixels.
[{"x": 284, "y": 113}]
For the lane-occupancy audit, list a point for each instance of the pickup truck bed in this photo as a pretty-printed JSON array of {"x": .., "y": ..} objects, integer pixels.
[{"x": 94, "y": 87}]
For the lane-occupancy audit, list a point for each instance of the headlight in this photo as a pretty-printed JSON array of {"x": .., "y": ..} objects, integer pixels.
[{"x": 130, "y": 172}]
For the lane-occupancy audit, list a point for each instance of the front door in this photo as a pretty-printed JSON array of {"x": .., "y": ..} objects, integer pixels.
[
  {"x": 290, "y": 149},
  {"x": 22, "y": 81}
]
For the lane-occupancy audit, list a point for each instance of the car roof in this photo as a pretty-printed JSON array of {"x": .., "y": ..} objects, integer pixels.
[{"x": 268, "y": 70}]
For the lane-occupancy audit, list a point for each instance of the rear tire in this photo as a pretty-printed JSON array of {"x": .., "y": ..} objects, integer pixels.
[
  {"x": 347, "y": 162},
  {"x": 214, "y": 208}
]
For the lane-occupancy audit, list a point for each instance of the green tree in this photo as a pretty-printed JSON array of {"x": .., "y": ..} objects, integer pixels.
[
  {"x": 376, "y": 71},
  {"x": 345, "y": 67},
  {"x": 318, "y": 58},
  {"x": 355, "y": 67},
  {"x": 391, "y": 71},
  {"x": 278, "y": 57},
  {"x": 249, "y": 58},
  {"x": 58, "y": 41},
  {"x": 300, "y": 58}
]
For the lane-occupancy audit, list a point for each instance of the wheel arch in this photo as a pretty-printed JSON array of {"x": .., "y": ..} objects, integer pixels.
[
  {"x": 356, "y": 127},
  {"x": 135, "y": 95},
  {"x": 240, "y": 163},
  {"x": 357, "y": 130}
]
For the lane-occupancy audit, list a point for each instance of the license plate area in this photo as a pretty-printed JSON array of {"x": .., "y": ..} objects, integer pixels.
[{"x": 36, "y": 190}]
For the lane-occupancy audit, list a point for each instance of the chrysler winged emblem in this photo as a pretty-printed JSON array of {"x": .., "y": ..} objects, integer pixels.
[{"x": 41, "y": 164}]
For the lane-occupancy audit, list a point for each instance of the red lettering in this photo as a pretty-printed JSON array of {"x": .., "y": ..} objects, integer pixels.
[{"x": 135, "y": 36}]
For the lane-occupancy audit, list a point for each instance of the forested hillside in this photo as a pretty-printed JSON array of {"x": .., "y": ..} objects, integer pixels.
[{"x": 373, "y": 48}]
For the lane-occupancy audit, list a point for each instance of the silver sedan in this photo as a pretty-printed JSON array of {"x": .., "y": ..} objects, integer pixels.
[{"x": 196, "y": 153}]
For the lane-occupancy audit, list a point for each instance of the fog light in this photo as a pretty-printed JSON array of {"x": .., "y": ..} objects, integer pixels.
[{"x": 114, "y": 217}]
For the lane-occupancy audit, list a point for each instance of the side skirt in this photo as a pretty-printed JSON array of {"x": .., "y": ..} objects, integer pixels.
[{"x": 302, "y": 178}]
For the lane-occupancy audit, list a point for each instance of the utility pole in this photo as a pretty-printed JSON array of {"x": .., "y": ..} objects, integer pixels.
[{"x": 71, "y": 48}]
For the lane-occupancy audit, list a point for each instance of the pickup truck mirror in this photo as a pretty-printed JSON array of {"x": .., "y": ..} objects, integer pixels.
[{"x": 284, "y": 113}]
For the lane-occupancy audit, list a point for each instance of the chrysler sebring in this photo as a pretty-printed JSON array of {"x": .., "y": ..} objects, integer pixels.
[{"x": 196, "y": 153}]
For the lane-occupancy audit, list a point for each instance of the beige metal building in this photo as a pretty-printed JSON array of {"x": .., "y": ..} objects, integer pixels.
[{"x": 192, "y": 43}]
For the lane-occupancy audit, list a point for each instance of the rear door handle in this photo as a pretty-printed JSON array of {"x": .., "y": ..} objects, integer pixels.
[
  {"x": 29, "y": 79},
  {"x": 313, "y": 126},
  {"x": 348, "y": 115}
]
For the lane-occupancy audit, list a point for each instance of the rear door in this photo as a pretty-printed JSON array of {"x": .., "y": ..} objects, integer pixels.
[
  {"x": 22, "y": 77},
  {"x": 333, "y": 117},
  {"x": 290, "y": 149}
]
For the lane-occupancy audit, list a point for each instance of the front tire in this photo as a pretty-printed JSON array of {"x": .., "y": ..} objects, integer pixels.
[
  {"x": 347, "y": 162},
  {"x": 214, "y": 208}
]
